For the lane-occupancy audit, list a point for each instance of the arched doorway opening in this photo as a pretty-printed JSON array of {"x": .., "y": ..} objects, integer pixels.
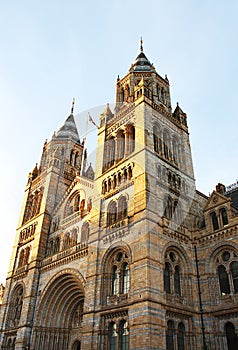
[
  {"x": 76, "y": 345},
  {"x": 61, "y": 310},
  {"x": 232, "y": 340}
]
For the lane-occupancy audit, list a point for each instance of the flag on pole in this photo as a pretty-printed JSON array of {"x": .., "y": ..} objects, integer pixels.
[{"x": 92, "y": 121}]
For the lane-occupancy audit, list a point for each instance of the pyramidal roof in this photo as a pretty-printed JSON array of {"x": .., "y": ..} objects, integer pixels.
[
  {"x": 69, "y": 129},
  {"x": 141, "y": 63}
]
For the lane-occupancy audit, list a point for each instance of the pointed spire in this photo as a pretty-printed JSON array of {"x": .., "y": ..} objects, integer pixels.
[
  {"x": 69, "y": 129},
  {"x": 141, "y": 44},
  {"x": 141, "y": 63},
  {"x": 72, "y": 108}
]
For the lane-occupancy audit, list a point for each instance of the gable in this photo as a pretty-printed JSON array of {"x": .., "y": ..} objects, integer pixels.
[{"x": 215, "y": 200}]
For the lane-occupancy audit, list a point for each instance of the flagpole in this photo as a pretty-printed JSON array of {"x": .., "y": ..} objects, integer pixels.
[{"x": 84, "y": 143}]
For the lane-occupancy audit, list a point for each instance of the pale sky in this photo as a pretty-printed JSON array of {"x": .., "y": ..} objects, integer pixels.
[{"x": 52, "y": 51}]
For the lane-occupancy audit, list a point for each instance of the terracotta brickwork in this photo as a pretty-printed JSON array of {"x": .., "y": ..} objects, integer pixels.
[{"x": 131, "y": 256}]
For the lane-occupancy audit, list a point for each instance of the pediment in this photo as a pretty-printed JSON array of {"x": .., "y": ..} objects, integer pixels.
[{"x": 215, "y": 200}]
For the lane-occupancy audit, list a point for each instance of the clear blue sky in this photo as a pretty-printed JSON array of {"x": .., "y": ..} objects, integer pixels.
[{"x": 52, "y": 51}]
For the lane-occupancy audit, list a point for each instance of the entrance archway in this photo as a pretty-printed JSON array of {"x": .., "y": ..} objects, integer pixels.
[
  {"x": 61, "y": 310},
  {"x": 76, "y": 345},
  {"x": 232, "y": 340}
]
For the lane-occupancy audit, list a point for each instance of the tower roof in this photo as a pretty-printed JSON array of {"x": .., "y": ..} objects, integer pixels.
[
  {"x": 68, "y": 130},
  {"x": 141, "y": 63}
]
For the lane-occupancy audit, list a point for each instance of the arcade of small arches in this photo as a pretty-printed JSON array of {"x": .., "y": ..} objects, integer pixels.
[
  {"x": 177, "y": 335},
  {"x": 72, "y": 157},
  {"x": 167, "y": 146},
  {"x": 172, "y": 179},
  {"x": 159, "y": 94},
  {"x": 116, "y": 179},
  {"x": 119, "y": 146},
  {"x": 68, "y": 239}
]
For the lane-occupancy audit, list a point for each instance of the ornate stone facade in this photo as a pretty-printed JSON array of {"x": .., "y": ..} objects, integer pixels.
[{"x": 131, "y": 256}]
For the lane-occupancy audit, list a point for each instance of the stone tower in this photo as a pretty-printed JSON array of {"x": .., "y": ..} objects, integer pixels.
[{"x": 131, "y": 256}]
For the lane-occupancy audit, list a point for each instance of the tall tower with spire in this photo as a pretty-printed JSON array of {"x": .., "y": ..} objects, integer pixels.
[{"x": 130, "y": 256}]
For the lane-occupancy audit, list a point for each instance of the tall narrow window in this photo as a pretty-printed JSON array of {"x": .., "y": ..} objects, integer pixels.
[
  {"x": 232, "y": 341},
  {"x": 156, "y": 138},
  {"x": 166, "y": 145},
  {"x": 214, "y": 221},
  {"x": 168, "y": 211},
  {"x": 170, "y": 336},
  {"x": 115, "y": 280},
  {"x": 112, "y": 336},
  {"x": 177, "y": 286},
  {"x": 224, "y": 217},
  {"x": 125, "y": 278},
  {"x": 130, "y": 139},
  {"x": 122, "y": 208},
  {"x": 181, "y": 331},
  {"x": 112, "y": 214},
  {"x": 175, "y": 150},
  {"x": 167, "y": 273},
  {"x": 123, "y": 336},
  {"x": 85, "y": 232},
  {"x": 120, "y": 145},
  {"x": 234, "y": 273},
  {"x": 223, "y": 280}
]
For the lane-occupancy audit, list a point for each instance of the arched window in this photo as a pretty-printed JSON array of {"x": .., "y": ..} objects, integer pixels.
[
  {"x": 130, "y": 139},
  {"x": 111, "y": 214},
  {"x": 123, "y": 336},
  {"x": 156, "y": 138},
  {"x": 57, "y": 245},
  {"x": 175, "y": 150},
  {"x": 166, "y": 144},
  {"x": 125, "y": 278},
  {"x": 177, "y": 286},
  {"x": 167, "y": 273},
  {"x": 116, "y": 277},
  {"x": 170, "y": 336},
  {"x": 168, "y": 207},
  {"x": 223, "y": 280},
  {"x": 120, "y": 145},
  {"x": 27, "y": 255},
  {"x": 85, "y": 232},
  {"x": 109, "y": 153},
  {"x": 67, "y": 241},
  {"x": 115, "y": 280},
  {"x": 224, "y": 216},
  {"x": 112, "y": 336},
  {"x": 181, "y": 331},
  {"x": 232, "y": 341},
  {"x": 122, "y": 208},
  {"x": 74, "y": 237},
  {"x": 234, "y": 273},
  {"x": 71, "y": 157},
  {"x": 177, "y": 212},
  {"x": 76, "y": 202},
  {"x": 21, "y": 258},
  {"x": 15, "y": 307},
  {"x": 214, "y": 221}
]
